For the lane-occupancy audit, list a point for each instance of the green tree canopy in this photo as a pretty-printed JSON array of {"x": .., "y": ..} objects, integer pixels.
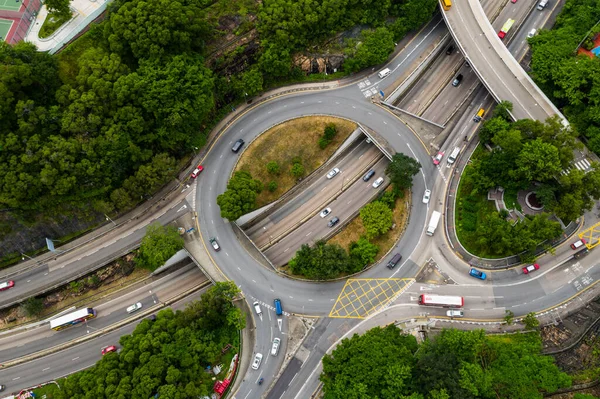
[
  {"x": 158, "y": 245},
  {"x": 240, "y": 196},
  {"x": 377, "y": 218},
  {"x": 401, "y": 171},
  {"x": 321, "y": 261}
]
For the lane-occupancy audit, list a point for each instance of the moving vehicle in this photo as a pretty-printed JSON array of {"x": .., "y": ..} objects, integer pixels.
[
  {"x": 257, "y": 360},
  {"x": 257, "y": 308},
  {"x": 450, "y": 49},
  {"x": 531, "y": 268},
  {"x": 438, "y": 158},
  {"x": 446, "y": 4},
  {"x": 2, "y": 388},
  {"x": 426, "y": 196},
  {"x": 433, "y": 222},
  {"x": 368, "y": 175},
  {"x": 506, "y": 27},
  {"x": 542, "y": 4},
  {"x": 333, "y": 173},
  {"x": 394, "y": 261},
  {"x": 109, "y": 349},
  {"x": 238, "y": 145},
  {"x": 455, "y": 313},
  {"x": 577, "y": 244},
  {"x": 197, "y": 171},
  {"x": 275, "y": 347},
  {"x": 531, "y": 33},
  {"x": 479, "y": 115},
  {"x": 325, "y": 212},
  {"x": 446, "y": 301},
  {"x": 453, "y": 156},
  {"x": 378, "y": 182},
  {"x": 260, "y": 381},
  {"x": 333, "y": 221},
  {"x": 477, "y": 274},
  {"x": 134, "y": 308},
  {"x": 457, "y": 80},
  {"x": 278, "y": 308},
  {"x": 6, "y": 285},
  {"x": 72, "y": 318},
  {"x": 384, "y": 72},
  {"x": 215, "y": 244}
]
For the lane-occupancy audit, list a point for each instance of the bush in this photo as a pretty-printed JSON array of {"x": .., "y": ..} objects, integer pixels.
[
  {"x": 389, "y": 198},
  {"x": 272, "y": 186},
  {"x": 273, "y": 168},
  {"x": 323, "y": 142},
  {"x": 330, "y": 131},
  {"x": 297, "y": 170},
  {"x": 33, "y": 306}
]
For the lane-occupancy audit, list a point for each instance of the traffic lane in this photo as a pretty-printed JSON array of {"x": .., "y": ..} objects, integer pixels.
[
  {"x": 58, "y": 272},
  {"x": 284, "y": 381},
  {"x": 73, "y": 359},
  {"x": 351, "y": 200},
  {"x": 31, "y": 341},
  {"x": 273, "y": 228},
  {"x": 313, "y": 186}
]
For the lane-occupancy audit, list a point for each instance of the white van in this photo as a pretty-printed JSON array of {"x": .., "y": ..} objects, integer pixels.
[
  {"x": 383, "y": 73},
  {"x": 453, "y": 156},
  {"x": 542, "y": 4},
  {"x": 257, "y": 308}
]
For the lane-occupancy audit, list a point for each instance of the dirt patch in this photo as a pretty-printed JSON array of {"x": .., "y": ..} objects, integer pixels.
[
  {"x": 297, "y": 138},
  {"x": 355, "y": 229}
]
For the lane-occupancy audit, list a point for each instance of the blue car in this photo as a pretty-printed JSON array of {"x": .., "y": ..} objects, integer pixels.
[{"x": 477, "y": 274}]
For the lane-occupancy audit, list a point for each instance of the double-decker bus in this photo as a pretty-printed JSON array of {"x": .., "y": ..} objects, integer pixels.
[
  {"x": 505, "y": 28},
  {"x": 445, "y": 301},
  {"x": 72, "y": 318}
]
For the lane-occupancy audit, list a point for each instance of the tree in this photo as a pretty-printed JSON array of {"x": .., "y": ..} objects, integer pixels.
[
  {"x": 249, "y": 84},
  {"x": 273, "y": 167},
  {"x": 272, "y": 186},
  {"x": 531, "y": 322},
  {"x": 374, "y": 49},
  {"x": 60, "y": 7},
  {"x": 363, "y": 251},
  {"x": 297, "y": 170},
  {"x": 158, "y": 245},
  {"x": 503, "y": 110},
  {"x": 320, "y": 262},
  {"x": 537, "y": 161},
  {"x": 401, "y": 171},
  {"x": 377, "y": 218},
  {"x": 33, "y": 306},
  {"x": 240, "y": 196}
]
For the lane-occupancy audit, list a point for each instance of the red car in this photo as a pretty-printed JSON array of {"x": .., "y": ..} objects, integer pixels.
[
  {"x": 6, "y": 285},
  {"x": 197, "y": 171},
  {"x": 513, "y": 1},
  {"x": 578, "y": 244},
  {"x": 531, "y": 268},
  {"x": 438, "y": 158},
  {"x": 111, "y": 348}
]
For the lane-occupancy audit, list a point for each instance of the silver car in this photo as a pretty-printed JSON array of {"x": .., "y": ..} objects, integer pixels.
[
  {"x": 257, "y": 360},
  {"x": 333, "y": 173},
  {"x": 378, "y": 182},
  {"x": 426, "y": 196},
  {"x": 325, "y": 212}
]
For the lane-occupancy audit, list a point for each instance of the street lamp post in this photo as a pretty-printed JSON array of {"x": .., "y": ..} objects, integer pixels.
[
  {"x": 107, "y": 219},
  {"x": 23, "y": 256}
]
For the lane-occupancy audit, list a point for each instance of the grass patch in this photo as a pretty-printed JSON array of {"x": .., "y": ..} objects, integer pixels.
[
  {"x": 510, "y": 199},
  {"x": 355, "y": 229},
  {"x": 49, "y": 391},
  {"x": 283, "y": 143},
  {"x": 52, "y": 22}
]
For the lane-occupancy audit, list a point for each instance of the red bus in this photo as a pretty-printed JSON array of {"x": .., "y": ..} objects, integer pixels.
[{"x": 445, "y": 301}]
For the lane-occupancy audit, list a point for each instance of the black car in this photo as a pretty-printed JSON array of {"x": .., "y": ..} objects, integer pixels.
[
  {"x": 333, "y": 221},
  {"x": 450, "y": 49},
  {"x": 368, "y": 175},
  {"x": 2, "y": 388}
]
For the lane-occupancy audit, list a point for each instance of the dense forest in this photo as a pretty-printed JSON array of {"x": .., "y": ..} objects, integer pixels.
[
  {"x": 570, "y": 79},
  {"x": 105, "y": 123},
  {"x": 168, "y": 356},
  {"x": 386, "y": 363}
]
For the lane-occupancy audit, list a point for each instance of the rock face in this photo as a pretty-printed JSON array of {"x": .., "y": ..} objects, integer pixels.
[{"x": 319, "y": 63}]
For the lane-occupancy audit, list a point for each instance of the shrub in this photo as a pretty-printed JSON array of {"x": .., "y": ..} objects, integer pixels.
[
  {"x": 330, "y": 131},
  {"x": 273, "y": 168},
  {"x": 33, "y": 306},
  {"x": 272, "y": 186},
  {"x": 297, "y": 170}
]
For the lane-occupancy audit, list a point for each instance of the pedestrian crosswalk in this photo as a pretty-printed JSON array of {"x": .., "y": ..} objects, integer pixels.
[
  {"x": 583, "y": 164},
  {"x": 366, "y": 88}
]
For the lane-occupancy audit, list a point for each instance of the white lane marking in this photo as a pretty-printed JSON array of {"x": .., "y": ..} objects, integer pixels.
[
  {"x": 75, "y": 358},
  {"x": 46, "y": 369},
  {"x": 14, "y": 379},
  {"x": 309, "y": 234}
]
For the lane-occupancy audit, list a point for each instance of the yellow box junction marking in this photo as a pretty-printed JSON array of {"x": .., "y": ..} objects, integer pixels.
[
  {"x": 361, "y": 297},
  {"x": 591, "y": 236}
]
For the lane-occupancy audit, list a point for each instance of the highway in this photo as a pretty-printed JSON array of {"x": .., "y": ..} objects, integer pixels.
[
  {"x": 166, "y": 286},
  {"x": 551, "y": 285}
]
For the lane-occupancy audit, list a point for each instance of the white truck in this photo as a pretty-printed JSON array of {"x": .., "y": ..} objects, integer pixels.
[{"x": 433, "y": 222}]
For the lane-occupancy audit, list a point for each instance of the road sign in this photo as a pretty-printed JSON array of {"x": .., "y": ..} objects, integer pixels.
[{"x": 381, "y": 93}]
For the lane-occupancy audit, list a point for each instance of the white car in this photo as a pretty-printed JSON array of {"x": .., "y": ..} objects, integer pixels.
[
  {"x": 378, "y": 182},
  {"x": 134, "y": 307},
  {"x": 333, "y": 173},
  {"x": 275, "y": 347},
  {"x": 325, "y": 212},
  {"x": 257, "y": 308},
  {"x": 426, "y": 196},
  {"x": 257, "y": 360},
  {"x": 455, "y": 313}
]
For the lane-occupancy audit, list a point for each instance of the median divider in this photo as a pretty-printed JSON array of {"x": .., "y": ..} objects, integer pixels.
[{"x": 106, "y": 330}]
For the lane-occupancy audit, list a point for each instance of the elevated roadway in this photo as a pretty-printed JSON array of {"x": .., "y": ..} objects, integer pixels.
[{"x": 492, "y": 62}]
